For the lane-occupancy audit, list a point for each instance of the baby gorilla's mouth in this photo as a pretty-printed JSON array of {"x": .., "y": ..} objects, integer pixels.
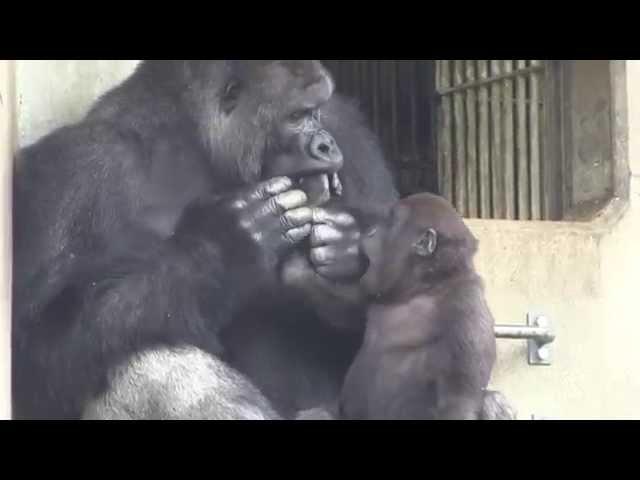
[{"x": 321, "y": 188}]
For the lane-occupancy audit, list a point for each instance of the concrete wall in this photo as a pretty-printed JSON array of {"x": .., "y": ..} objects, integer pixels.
[
  {"x": 52, "y": 93},
  {"x": 585, "y": 277},
  {"x": 6, "y": 147},
  {"x": 582, "y": 275}
]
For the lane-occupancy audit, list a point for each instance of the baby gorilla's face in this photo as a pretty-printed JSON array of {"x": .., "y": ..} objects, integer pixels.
[{"x": 404, "y": 247}]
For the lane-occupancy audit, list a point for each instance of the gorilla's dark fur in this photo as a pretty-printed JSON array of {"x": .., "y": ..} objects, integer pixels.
[
  {"x": 143, "y": 228},
  {"x": 429, "y": 345},
  {"x": 160, "y": 272}
]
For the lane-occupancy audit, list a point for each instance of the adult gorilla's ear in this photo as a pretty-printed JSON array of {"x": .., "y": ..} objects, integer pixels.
[{"x": 427, "y": 244}]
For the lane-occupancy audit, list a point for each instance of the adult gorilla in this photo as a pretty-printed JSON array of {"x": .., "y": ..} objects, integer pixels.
[{"x": 188, "y": 241}]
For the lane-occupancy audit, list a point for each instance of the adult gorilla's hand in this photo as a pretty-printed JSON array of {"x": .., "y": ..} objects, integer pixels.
[
  {"x": 335, "y": 246},
  {"x": 271, "y": 215}
]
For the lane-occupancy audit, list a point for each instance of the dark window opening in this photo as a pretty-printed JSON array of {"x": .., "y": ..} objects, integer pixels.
[
  {"x": 501, "y": 139},
  {"x": 397, "y": 97}
]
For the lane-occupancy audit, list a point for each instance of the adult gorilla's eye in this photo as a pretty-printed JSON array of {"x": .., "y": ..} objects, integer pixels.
[{"x": 298, "y": 115}]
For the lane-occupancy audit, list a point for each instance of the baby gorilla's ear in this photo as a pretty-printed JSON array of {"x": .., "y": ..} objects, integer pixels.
[{"x": 427, "y": 244}]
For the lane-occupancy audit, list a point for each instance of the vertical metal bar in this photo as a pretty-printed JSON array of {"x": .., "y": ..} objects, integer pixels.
[
  {"x": 7, "y": 135},
  {"x": 534, "y": 139},
  {"x": 338, "y": 76},
  {"x": 393, "y": 80},
  {"x": 497, "y": 152},
  {"x": 472, "y": 134},
  {"x": 445, "y": 143},
  {"x": 483, "y": 142},
  {"x": 551, "y": 161},
  {"x": 509, "y": 162},
  {"x": 460, "y": 166},
  {"x": 414, "y": 102},
  {"x": 524, "y": 200},
  {"x": 375, "y": 82}
]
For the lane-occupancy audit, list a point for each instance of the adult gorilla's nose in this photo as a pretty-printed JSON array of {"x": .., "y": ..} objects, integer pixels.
[{"x": 324, "y": 148}]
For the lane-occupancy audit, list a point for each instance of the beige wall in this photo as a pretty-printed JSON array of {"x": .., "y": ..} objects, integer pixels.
[
  {"x": 6, "y": 146},
  {"x": 583, "y": 276},
  {"x": 52, "y": 93}
]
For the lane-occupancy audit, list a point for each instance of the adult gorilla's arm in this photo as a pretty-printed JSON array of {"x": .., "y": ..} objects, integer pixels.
[
  {"x": 92, "y": 286},
  {"x": 330, "y": 274}
]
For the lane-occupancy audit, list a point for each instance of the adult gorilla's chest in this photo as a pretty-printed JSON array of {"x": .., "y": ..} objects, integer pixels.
[{"x": 295, "y": 360}]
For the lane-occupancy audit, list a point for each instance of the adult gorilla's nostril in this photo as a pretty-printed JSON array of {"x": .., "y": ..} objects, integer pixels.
[{"x": 324, "y": 148}]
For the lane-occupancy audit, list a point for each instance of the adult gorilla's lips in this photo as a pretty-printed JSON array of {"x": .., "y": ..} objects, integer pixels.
[{"x": 321, "y": 187}]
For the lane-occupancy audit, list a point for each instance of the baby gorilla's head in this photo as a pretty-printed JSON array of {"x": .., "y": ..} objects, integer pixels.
[{"x": 422, "y": 241}]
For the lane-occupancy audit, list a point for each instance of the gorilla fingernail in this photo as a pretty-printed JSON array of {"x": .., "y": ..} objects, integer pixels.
[{"x": 291, "y": 199}]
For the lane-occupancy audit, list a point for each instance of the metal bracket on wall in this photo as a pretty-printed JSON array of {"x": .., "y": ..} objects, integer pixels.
[{"x": 538, "y": 334}]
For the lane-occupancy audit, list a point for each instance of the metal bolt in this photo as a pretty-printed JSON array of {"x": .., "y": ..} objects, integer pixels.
[
  {"x": 542, "y": 322},
  {"x": 543, "y": 353}
]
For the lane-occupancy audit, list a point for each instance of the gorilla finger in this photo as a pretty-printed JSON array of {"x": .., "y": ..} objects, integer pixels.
[
  {"x": 322, "y": 234},
  {"x": 264, "y": 190},
  {"x": 297, "y": 217},
  {"x": 343, "y": 219},
  {"x": 295, "y": 235},
  {"x": 286, "y": 201},
  {"x": 272, "y": 187}
]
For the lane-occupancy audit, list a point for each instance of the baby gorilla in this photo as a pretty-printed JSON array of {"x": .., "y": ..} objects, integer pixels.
[{"x": 429, "y": 345}]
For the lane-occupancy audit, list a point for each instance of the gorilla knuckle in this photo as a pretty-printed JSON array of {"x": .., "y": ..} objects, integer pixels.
[
  {"x": 237, "y": 204},
  {"x": 289, "y": 200},
  {"x": 325, "y": 233},
  {"x": 274, "y": 205},
  {"x": 296, "y": 218},
  {"x": 276, "y": 185},
  {"x": 257, "y": 237},
  {"x": 296, "y": 234},
  {"x": 245, "y": 224}
]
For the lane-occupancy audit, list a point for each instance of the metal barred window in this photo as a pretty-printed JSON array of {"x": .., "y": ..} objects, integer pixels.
[
  {"x": 396, "y": 95},
  {"x": 491, "y": 149},
  {"x": 501, "y": 139}
]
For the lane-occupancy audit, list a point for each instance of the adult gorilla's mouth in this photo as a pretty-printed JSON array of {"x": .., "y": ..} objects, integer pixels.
[{"x": 321, "y": 188}]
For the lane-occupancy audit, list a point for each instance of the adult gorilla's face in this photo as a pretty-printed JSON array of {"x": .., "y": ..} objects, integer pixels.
[
  {"x": 304, "y": 150},
  {"x": 300, "y": 147},
  {"x": 268, "y": 123}
]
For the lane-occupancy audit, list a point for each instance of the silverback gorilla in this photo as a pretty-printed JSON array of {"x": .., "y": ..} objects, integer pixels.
[
  {"x": 429, "y": 345},
  {"x": 182, "y": 251}
]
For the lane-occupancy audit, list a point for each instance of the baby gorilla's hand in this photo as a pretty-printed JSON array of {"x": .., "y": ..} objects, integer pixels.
[{"x": 335, "y": 245}]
